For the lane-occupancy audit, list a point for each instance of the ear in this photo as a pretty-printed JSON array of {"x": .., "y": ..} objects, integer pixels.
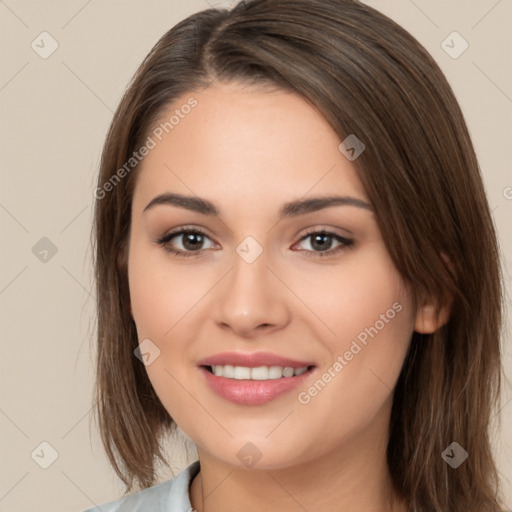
[
  {"x": 429, "y": 315},
  {"x": 429, "y": 320}
]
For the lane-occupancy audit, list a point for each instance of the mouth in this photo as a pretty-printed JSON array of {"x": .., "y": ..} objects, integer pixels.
[{"x": 254, "y": 385}]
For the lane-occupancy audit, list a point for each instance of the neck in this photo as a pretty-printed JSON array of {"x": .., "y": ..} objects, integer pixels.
[{"x": 353, "y": 478}]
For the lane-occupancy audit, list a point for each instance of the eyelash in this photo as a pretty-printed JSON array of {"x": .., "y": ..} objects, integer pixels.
[{"x": 346, "y": 243}]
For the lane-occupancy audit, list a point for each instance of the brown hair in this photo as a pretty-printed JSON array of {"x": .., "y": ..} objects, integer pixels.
[{"x": 369, "y": 77}]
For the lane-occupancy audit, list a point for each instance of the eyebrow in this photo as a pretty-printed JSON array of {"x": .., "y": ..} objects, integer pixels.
[{"x": 291, "y": 209}]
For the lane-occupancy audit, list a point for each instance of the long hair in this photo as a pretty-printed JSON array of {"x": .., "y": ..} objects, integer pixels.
[{"x": 369, "y": 77}]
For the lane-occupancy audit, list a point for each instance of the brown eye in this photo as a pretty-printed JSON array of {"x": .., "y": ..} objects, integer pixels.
[
  {"x": 190, "y": 242},
  {"x": 321, "y": 242}
]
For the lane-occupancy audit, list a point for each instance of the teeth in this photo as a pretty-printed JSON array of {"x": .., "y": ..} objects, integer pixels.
[
  {"x": 275, "y": 372},
  {"x": 258, "y": 373},
  {"x": 241, "y": 372},
  {"x": 228, "y": 371},
  {"x": 288, "y": 372}
]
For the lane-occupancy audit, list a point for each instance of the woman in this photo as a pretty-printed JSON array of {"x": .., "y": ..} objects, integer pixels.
[{"x": 297, "y": 266}]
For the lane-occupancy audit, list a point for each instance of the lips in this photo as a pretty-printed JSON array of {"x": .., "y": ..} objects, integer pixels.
[{"x": 253, "y": 392}]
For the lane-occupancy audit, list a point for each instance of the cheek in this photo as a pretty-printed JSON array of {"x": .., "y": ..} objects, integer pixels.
[
  {"x": 161, "y": 294},
  {"x": 163, "y": 299},
  {"x": 365, "y": 292},
  {"x": 160, "y": 299},
  {"x": 368, "y": 309}
]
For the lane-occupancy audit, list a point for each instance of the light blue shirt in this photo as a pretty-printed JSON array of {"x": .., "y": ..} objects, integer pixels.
[{"x": 169, "y": 496}]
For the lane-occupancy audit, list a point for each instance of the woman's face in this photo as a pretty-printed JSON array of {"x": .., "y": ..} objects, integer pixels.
[{"x": 255, "y": 280}]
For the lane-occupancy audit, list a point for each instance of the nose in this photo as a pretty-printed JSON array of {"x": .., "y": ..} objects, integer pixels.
[{"x": 251, "y": 299}]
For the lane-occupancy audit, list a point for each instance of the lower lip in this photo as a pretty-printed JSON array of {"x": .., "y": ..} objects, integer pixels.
[{"x": 252, "y": 392}]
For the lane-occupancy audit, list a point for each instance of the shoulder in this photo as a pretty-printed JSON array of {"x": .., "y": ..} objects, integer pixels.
[{"x": 169, "y": 496}]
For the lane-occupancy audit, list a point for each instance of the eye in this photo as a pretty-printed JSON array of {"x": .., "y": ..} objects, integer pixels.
[
  {"x": 192, "y": 241},
  {"x": 320, "y": 242}
]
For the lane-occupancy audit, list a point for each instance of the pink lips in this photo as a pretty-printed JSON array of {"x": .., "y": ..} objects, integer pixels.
[{"x": 252, "y": 392}]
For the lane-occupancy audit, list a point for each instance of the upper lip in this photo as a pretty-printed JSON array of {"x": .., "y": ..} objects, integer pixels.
[{"x": 252, "y": 360}]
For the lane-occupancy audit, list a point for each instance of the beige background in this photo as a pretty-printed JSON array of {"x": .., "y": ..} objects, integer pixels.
[{"x": 54, "y": 116}]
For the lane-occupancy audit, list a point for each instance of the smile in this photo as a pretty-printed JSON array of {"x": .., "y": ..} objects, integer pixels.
[
  {"x": 242, "y": 390},
  {"x": 253, "y": 378}
]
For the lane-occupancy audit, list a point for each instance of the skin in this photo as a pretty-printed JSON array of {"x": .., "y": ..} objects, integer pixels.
[{"x": 250, "y": 150}]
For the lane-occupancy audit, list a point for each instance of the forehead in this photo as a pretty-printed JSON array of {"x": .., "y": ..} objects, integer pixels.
[{"x": 247, "y": 145}]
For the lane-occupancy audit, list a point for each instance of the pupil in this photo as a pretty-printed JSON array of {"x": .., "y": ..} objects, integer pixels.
[
  {"x": 191, "y": 237},
  {"x": 321, "y": 245}
]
